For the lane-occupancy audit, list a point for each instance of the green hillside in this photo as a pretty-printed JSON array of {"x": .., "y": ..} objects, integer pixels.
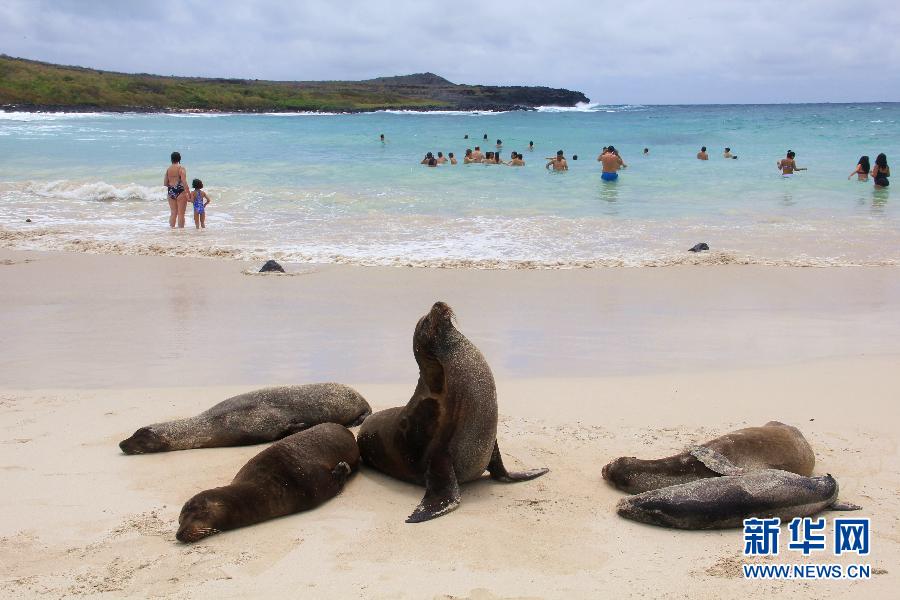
[{"x": 32, "y": 85}]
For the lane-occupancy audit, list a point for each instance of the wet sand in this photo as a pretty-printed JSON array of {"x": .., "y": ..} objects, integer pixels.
[{"x": 591, "y": 364}]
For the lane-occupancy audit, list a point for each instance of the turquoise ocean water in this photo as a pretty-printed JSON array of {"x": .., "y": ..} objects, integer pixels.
[{"x": 322, "y": 188}]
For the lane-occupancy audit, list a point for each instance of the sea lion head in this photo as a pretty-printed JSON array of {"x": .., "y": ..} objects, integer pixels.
[
  {"x": 144, "y": 440},
  {"x": 203, "y": 515},
  {"x": 434, "y": 330},
  {"x": 620, "y": 471},
  {"x": 433, "y": 339}
]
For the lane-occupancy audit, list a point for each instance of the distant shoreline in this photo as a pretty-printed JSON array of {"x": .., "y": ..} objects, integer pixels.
[{"x": 84, "y": 108}]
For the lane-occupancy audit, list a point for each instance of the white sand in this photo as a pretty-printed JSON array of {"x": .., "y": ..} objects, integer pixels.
[{"x": 79, "y": 518}]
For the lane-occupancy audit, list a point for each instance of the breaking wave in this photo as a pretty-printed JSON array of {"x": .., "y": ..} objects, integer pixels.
[
  {"x": 52, "y": 239},
  {"x": 96, "y": 191}
]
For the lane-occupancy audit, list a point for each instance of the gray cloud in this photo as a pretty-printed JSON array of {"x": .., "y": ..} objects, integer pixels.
[{"x": 640, "y": 51}]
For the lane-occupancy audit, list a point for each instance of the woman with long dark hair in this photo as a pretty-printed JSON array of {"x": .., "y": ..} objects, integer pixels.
[
  {"x": 862, "y": 169},
  {"x": 881, "y": 171}
]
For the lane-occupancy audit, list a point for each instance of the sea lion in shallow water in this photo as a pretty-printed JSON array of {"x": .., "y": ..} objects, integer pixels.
[
  {"x": 772, "y": 446},
  {"x": 724, "y": 502},
  {"x": 447, "y": 433},
  {"x": 259, "y": 416},
  {"x": 297, "y": 473}
]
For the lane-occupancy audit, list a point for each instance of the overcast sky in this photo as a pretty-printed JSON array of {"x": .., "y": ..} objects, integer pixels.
[{"x": 633, "y": 51}]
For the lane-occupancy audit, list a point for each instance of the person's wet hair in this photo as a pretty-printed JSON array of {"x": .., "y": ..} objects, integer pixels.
[
  {"x": 432, "y": 162},
  {"x": 703, "y": 149},
  {"x": 450, "y": 155},
  {"x": 646, "y": 150},
  {"x": 531, "y": 143},
  {"x": 197, "y": 184},
  {"x": 478, "y": 148},
  {"x": 485, "y": 136},
  {"x": 574, "y": 157},
  {"x": 468, "y": 152},
  {"x": 881, "y": 161},
  {"x": 500, "y": 142},
  {"x": 489, "y": 155},
  {"x": 559, "y": 153},
  {"x": 440, "y": 154},
  {"x": 864, "y": 163},
  {"x": 429, "y": 155},
  {"x": 727, "y": 149},
  {"x": 791, "y": 154},
  {"x": 176, "y": 158}
]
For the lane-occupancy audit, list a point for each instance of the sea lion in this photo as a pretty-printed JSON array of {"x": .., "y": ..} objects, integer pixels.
[
  {"x": 271, "y": 266},
  {"x": 723, "y": 502},
  {"x": 447, "y": 433},
  {"x": 772, "y": 446},
  {"x": 259, "y": 416},
  {"x": 296, "y": 473}
]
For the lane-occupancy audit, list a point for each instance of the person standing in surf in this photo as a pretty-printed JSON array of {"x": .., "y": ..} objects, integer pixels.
[
  {"x": 175, "y": 181},
  {"x": 611, "y": 162},
  {"x": 881, "y": 171},
  {"x": 862, "y": 169},
  {"x": 788, "y": 165}
]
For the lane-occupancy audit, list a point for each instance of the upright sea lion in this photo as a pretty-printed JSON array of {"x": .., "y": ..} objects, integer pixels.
[
  {"x": 447, "y": 433},
  {"x": 772, "y": 446},
  {"x": 297, "y": 473},
  {"x": 259, "y": 416},
  {"x": 723, "y": 502}
]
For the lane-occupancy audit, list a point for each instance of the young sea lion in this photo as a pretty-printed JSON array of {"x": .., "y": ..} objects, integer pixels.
[
  {"x": 772, "y": 446},
  {"x": 723, "y": 502},
  {"x": 447, "y": 433},
  {"x": 259, "y": 416},
  {"x": 297, "y": 473}
]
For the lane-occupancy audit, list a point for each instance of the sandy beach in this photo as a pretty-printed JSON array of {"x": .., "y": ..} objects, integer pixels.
[{"x": 590, "y": 364}]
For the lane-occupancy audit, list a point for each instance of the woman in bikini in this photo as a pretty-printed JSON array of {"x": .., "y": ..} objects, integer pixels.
[
  {"x": 176, "y": 190},
  {"x": 862, "y": 169}
]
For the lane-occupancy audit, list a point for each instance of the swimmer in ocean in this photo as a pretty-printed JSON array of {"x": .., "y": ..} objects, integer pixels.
[
  {"x": 703, "y": 155},
  {"x": 440, "y": 158},
  {"x": 517, "y": 160},
  {"x": 558, "y": 163},
  {"x": 788, "y": 165},
  {"x": 612, "y": 162},
  {"x": 477, "y": 156},
  {"x": 452, "y": 158}
]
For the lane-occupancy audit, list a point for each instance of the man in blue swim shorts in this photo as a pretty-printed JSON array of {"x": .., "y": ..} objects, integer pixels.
[{"x": 612, "y": 162}]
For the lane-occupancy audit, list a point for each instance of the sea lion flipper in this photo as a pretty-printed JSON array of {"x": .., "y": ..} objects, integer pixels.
[
  {"x": 342, "y": 471},
  {"x": 715, "y": 461},
  {"x": 844, "y": 506},
  {"x": 499, "y": 473},
  {"x": 359, "y": 420},
  {"x": 441, "y": 491}
]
